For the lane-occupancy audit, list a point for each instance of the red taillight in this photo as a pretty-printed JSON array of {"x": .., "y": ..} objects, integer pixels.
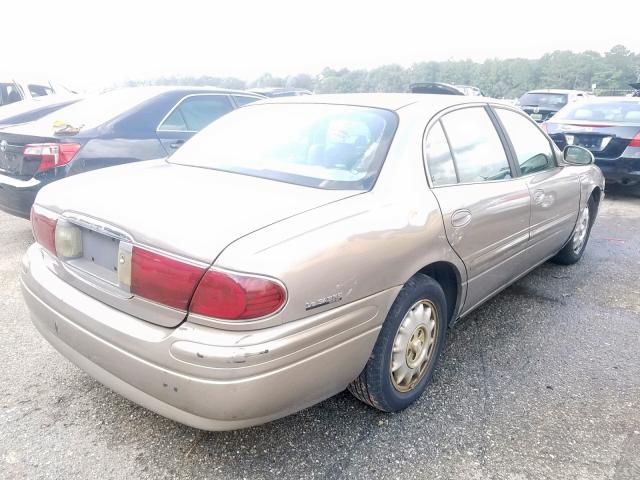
[
  {"x": 51, "y": 155},
  {"x": 44, "y": 229},
  {"x": 162, "y": 279},
  {"x": 543, "y": 126},
  {"x": 635, "y": 141},
  {"x": 236, "y": 297},
  {"x": 218, "y": 294}
]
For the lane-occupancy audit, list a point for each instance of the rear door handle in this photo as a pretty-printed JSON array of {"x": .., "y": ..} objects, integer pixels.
[
  {"x": 176, "y": 144},
  {"x": 460, "y": 218}
]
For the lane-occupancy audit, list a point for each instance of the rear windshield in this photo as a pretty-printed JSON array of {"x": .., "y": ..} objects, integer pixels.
[
  {"x": 614, "y": 111},
  {"x": 544, "y": 100},
  {"x": 97, "y": 110},
  {"x": 332, "y": 147}
]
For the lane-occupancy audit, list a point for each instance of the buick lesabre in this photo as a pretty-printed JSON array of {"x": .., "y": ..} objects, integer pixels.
[{"x": 300, "y": 246}]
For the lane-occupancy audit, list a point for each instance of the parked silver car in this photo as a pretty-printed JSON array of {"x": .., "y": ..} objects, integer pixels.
[{"x": 298, "y": 247}]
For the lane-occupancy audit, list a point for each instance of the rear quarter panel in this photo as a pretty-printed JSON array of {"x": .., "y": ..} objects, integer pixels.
[{"x": 356, "y": 247}]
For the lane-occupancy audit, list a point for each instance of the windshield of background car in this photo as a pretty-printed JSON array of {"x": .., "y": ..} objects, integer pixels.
[
  {"x": 333, "y": 147},
  {"x": 553, "y": 101},
  {"x": 614, "y": 111},
  {"x": 94, "y": 111}
]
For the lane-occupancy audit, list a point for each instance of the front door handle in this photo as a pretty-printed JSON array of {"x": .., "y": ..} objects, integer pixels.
[
  {"x": 460, "y": 218},
  {"x": 538, "y": 197},
  {"x": 176, "y": 144}
]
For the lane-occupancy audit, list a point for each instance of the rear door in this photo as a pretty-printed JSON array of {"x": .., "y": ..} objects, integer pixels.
[
  {"x": 484, "y": 208},
  {"x": 190, "y": 115},
  {"x": 554, "y": 189}
]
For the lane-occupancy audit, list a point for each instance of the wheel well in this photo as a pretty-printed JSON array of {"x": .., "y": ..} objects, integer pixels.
[{"x": 449, "y": 279}]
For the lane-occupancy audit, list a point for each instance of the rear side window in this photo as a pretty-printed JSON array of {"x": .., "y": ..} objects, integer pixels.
[
  {"x": 438, "y": 155},
  {"x": 622, "y": 111},
  {"x": 533, "y": 150},
  {"x": 243, "y": 99},
  {"x": 40, "y": 90},
  {"x": 196, "y": 112},
  {"x": 477, "y": 150}
]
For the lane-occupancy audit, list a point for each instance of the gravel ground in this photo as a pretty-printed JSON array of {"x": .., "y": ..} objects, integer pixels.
[{"x": 542, "y": 382}]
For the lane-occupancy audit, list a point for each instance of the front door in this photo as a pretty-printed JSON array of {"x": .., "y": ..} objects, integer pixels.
[{"x": 485, "y": 210}]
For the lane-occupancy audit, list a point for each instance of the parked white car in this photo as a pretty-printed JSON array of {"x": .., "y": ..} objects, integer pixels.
[{"x": 12, "y": 91}]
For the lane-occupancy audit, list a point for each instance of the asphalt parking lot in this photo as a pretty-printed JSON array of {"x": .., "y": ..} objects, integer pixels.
[{"x": 542, "y": 382}]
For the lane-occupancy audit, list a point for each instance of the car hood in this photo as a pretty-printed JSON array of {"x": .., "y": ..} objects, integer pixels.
[{"x": 188, "y": 211}]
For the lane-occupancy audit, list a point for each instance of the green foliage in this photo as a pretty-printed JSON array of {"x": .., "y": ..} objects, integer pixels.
[{"x": 508, "y": 78}]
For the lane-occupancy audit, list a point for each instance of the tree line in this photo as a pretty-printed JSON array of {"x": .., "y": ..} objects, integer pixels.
[{"x": 611, "y": 72}]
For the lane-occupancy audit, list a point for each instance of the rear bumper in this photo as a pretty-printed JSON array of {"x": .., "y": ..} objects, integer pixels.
[
  {"x": 17, "y": 196},
  {"x": 620, "y": 170},
  {"x": 200, "y": 376}
]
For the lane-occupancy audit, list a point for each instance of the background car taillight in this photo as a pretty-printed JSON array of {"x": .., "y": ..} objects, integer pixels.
[
  {"x": 635, "y": 141},
  {"x": 237, "y": 297},
  {"x": 51, "y": 155},
  {"x": 44, "y": 229},
  {"x": 543, "y": 126}
]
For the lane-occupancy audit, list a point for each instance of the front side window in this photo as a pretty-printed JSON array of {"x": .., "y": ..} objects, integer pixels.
[
  {"x": 440, "y": 161},
  {"x": 332, "y": 147},
  {"x": 477, "y": 150},
  {"x": 9, "y": 93},
  {"x": 196, "y": 112},
  {"x": 533, "y": 150}
]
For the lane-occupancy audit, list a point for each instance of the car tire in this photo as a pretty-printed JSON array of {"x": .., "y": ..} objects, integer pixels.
[
  {"x": 572, "y": 252},
  {"x": 420, "y": 309}
]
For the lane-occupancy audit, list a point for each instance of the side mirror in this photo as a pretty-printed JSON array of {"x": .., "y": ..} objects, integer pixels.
[{"x": 575, "y": 155}]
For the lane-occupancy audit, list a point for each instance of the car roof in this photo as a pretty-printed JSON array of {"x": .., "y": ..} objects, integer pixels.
[
  {"x": 387, "y": 101},
  {"x": 555, "y": 90},
  {"x": 609, "y": 99},
  {"x": 159, "y": 89}
]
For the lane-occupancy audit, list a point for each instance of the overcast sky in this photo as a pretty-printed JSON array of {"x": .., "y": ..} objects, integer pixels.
[{"x": 92, "y": 44}]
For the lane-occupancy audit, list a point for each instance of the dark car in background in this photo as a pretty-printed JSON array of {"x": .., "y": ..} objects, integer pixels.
[
  {"x": 440, "y": 88},
  {"x": 610, "y": 128},
  {"x": 541, "y": 105},
  {"x": 436, "y": 88},
  {"x": 116, "y": 127}
]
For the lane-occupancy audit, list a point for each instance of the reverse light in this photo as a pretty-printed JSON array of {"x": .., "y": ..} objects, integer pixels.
[
  {"x": 44, "y": 228},
  {"x": 51, "y": 155},
  {"x": 231, "y": 296},
  {"x": 68, "y": 240},
  {"x": 635, "y": 141}
]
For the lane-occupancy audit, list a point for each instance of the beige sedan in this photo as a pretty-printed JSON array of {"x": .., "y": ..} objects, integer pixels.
[{"x": 298, "y": 247}]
